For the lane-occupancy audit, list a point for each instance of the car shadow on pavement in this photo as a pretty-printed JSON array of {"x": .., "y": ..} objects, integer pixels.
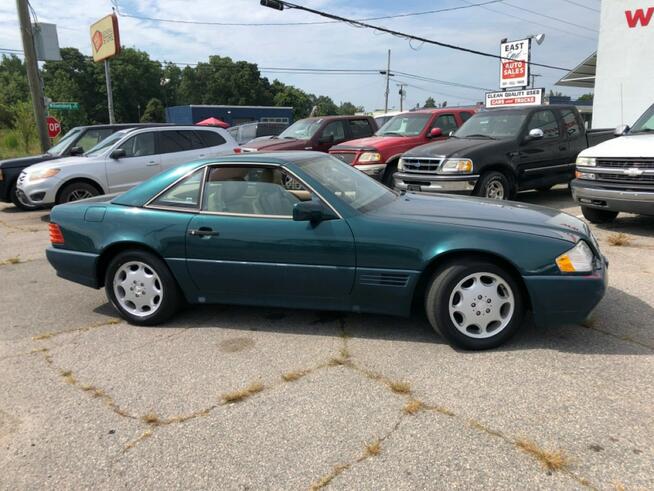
[
  {"x": 638, "y": 225},
  {"x": 621, "y": 325}
]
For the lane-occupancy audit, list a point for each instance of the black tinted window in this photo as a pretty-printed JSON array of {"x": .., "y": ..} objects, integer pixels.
[
  {"x": 465, "y": 116},
  {"x": 177, "y": 141},
  {"x": 546, "y": 121},
  {"x": 360, "y": 128},
  {"x": 210, "y": 138},
  {"x": 446, "y": 123}
]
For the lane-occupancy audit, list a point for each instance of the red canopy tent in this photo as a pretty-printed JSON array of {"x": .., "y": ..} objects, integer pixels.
[{"x": 213, "y": 122}]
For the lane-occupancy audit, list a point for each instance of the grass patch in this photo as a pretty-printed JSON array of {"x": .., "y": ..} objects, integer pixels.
[
  {"x": 242, "y": 394},
  {"x": 10, "y": 260},
  {"x": 293, "y": 375},
  {"x": 68, "y": 377},
  {"x": 373, "y": 448},
  {"x": 413, "y": 406},
  {"x": 151, "y": 418},
  {"x": 399, "y": 387},
  {"x": 619, "y": 239},
  {"x": 551, "y": 460},
  {"x": 442, "y": 410}
]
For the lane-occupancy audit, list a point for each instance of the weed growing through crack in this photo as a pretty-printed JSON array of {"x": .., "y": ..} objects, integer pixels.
[
  {"x": 619, "y": 239},
  {"x": 399, "y": 387},
  {"x": 293, "y": 375},
  {"x": 68, "y": 377},
  {"x": 242, "y": 394},
  {"x": 151, "y": 418},
  {"x": 551, "y": 460},
  {"x": 325, "y": 480},
  {"x": 373, "y": 448},
  {"x": 413, "y": 406},
  {"x": 11, "y": 260},
  {"x": 50, "y": 334},
  {"x": 144, "y": 435}
]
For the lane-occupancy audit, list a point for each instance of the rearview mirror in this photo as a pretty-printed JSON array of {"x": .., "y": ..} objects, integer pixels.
[
  {"x": 435, "y": 133},
  {"x": 326, "y": 139},
  {"x": 76, "y": 151},
  {"x": 621, "y": 130},
  {"x": 309, "y": 211},
  {"x": 119, "y": 153},
  {"x": 535, "y": 134}
]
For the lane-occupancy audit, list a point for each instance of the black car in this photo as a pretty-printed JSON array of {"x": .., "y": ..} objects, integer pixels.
[
  {"x": 77, "y": 141},
  {"x": 499, "y": 152}
]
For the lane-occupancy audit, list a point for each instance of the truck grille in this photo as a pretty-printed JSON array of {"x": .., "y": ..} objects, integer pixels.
[
  {"x": 626, "y": 163},
  {"x": 348, "y": 158},
  {"x": 642, "y": 179},
  {"x": 422, "y": 164}
]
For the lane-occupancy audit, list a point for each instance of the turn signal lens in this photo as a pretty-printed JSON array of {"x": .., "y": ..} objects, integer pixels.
[
  {"x": 585, "y": 175},
  {"x": 237, "y": 149},
  {"x": 579, "y": 259},
  {"x": 56, "y": 237}
]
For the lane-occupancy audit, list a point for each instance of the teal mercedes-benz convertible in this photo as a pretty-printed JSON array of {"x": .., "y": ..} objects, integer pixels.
[{"x": 305, "y": 230}]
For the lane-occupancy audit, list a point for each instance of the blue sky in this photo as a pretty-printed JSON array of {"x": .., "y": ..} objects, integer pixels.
[{"x": 339, "y": 45}]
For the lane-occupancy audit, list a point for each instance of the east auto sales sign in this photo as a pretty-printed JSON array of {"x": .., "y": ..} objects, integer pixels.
[{"x": 514, "y": 65}]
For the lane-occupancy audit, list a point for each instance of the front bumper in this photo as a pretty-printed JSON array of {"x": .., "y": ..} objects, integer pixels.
[
  {"x": 373, "y": 170},
  {"x": 639, "y": 202},
  {"x": 566, "y": 299},
  {"x": 432, "y": 183},
  {"x": 39, "y": 193},
  {"x": 79, "y": 267}
]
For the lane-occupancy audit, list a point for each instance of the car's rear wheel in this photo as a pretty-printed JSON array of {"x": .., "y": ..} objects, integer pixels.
[
  {"x": 76, "y": 191},
  {"x": 594, "y": 215},
  {"x": 20, "y": 202},
  {"x": 494, "y": 185},
  {"x": 141, "y": 287},
  {"x": 474, "y": 304}
]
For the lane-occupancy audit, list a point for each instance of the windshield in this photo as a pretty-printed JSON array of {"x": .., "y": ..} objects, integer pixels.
[
  {"x": 106, "y": 143},
  {"x": 65, "y": 141},
  {"x": 347, "y": 183},
  {"x": 301, "y": 130},
  {"x": 405, "y": 125},
  {"x": 645, "y": 123},
  {"x": 498, "y": 125}
]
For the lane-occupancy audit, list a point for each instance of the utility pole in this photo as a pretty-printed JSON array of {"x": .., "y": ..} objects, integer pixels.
[
  {"x": 33, "y": 77},
  {"x": 388, "y": 76},
  {"x": 402, "y": 94}
]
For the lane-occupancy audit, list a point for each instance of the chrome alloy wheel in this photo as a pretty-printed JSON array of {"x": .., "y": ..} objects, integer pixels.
[
  {"x": 79, "y": 194},
  {"x": 138, "y": 289},
  {"x": 481, "y": 305},
  {"x": 495, "y": 189}
]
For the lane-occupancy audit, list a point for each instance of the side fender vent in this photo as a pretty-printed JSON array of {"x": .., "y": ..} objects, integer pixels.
[{"x": 385, "y": 279}]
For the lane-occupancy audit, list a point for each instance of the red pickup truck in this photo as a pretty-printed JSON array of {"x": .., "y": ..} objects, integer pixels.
[{"x": 378, "y": 155}]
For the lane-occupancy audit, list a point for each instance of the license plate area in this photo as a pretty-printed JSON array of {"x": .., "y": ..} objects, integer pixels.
[{"x": 413, "y": 187}]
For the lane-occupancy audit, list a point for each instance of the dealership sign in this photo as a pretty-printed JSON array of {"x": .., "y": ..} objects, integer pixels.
[
  {"x": 105, "y": 41},
  {"x": 514, "y": 65},
  {"x": 508, "y": 98}
]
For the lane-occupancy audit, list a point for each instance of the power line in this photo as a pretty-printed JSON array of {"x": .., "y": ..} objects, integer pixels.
[
  {"x": 357, "y": 23},
  {"x": 429, "y": 91},
  {"x": 286, "y": 24},
  {"x": 437, "y": 81},
  {"x": 563, "y": 21},
  {"x": 581, "y": 5}
]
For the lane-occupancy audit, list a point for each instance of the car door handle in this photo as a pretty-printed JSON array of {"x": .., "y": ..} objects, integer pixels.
[
  {"x": 151, "y": 163},
  {"x": 203, "y": 232}
]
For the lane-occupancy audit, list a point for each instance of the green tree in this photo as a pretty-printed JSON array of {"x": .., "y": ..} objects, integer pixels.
[
  {"x": 430, "y": 102},
  {"x": 325, "y": 105},
  {"x": 586, "y": 97},
  {"x": 289, "y": 96},
  {"x": 154, "y": 112},
  {"x": 24, "y": 125},
  {"x": 13, "y": 81},
  {"x": 170, "y": 80},
  {"x": 555, "y": 94},
  {"x": 347, "y": 108}
]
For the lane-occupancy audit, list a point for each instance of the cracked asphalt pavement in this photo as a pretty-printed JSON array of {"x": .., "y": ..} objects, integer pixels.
[{"x": 256, "y": 398}]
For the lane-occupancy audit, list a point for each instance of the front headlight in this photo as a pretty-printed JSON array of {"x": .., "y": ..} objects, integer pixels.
[
  {"x": 370, "y": 157},
  {"x": 586, "y": 161},
  {"x": 579, "y": 259},
  {"x": 42, "y": 174},
  {"x": 459, "y": 166}
]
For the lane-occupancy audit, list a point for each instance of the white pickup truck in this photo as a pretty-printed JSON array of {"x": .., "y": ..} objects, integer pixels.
[{"x": 618, "y": 175}]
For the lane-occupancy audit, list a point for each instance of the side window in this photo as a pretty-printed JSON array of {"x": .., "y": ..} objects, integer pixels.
[
  {"x": 335, "y": 129},
  {"x": 546, "y": 121},
  {"x": 445, "y": 122},
  {"x": 175, "y": 141},
  {"x": 465, "y": 116},
  {"x": 139, "y": 145},
  {"x": 185, "y": 194},
  {"x": 570, "y": 124},
  {"x": 360, "y": 128},
  {"x": 210, "y": 138},
  {"x": 263, "y": 191},
  {"x": 92, "y": 137}
]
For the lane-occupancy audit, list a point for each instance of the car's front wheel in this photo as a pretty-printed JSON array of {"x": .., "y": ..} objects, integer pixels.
[
  {"x": 474, "y": 304},
  {"x": 141, "y": 287},
  {"x": 594, "y": 215},
  {"x": 494, "y": 185},
  {"x": 76, "y": 191}
]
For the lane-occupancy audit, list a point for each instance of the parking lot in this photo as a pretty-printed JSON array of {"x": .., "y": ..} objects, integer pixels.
[{"x": 248, "y": 398}]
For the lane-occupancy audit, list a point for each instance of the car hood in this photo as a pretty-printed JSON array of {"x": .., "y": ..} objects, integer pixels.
[
  {"x": 639, "y": 145},
  {"x": 371, "y": 142},
  {"x": 486, "y": 213},
  {"x": 62, "y": 163},
  {"x": 25, "y": 161},
  {"x": 452, "y": 147},
  {"x": 277, "y": 144}
]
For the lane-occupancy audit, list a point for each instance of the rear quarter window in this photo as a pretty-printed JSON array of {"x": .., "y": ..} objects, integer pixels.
[{"x": 211, "y": 138}]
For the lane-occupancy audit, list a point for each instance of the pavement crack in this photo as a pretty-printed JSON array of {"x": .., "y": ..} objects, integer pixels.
[
  {"x": 51, "y": 334},
  {"x": 627, "y": 339}
]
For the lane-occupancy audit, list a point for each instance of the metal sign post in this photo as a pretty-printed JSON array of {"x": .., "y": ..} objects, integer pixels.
[{"x": 110, "y": 97}]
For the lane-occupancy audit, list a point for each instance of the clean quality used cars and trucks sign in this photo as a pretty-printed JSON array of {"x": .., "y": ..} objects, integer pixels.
[
  {"x": 527, "y": 97},
  {"x": 514, "y": 66}
]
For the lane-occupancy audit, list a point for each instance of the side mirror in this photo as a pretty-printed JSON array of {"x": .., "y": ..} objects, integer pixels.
[
  {"x": 326, "y": 139},
  {"x": 435, "y": 133},
  {"x": 76, "y": 151},
  {"x": 309, "y": 211},
  {"x": 535, "y": 134},
  {"x": 119, "y": 153},
  {"x": 621, "y": 130}
]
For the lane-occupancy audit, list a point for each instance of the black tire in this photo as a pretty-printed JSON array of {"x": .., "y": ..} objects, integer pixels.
[
  {"x": 18, "y": 203},
  {"x": 441, "y": 291},
  {"x": 387, "y": 179},
  {"x": 75, "y": 191},
  {"x": 170, "y": 297},
  {"x": 491, "y": 184},
  {"x": 594, "y": 215},
  {"x": 543, "y": 189}
]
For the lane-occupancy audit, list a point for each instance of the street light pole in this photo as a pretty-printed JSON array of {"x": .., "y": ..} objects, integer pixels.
[{"x": 388, "y": 75}]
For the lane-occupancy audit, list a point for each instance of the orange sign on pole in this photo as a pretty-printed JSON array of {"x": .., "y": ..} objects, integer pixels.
[{"x": 105, "y": 39}]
